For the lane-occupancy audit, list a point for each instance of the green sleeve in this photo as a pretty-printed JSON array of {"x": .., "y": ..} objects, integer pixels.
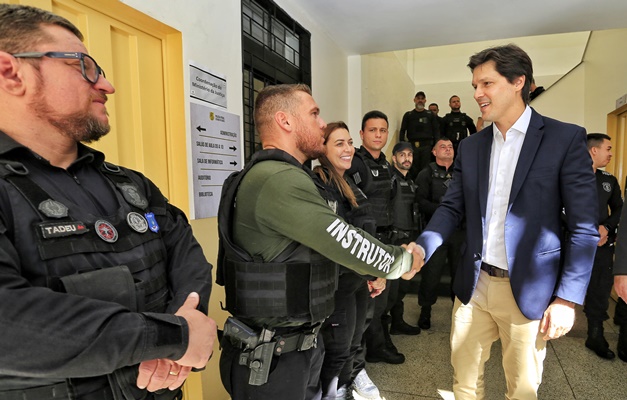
[{"x": 289, "y": 208}]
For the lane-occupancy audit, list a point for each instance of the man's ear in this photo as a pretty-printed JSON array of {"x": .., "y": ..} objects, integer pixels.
[
  {"x": 520, "y": 82},
  {"x": 283, "y": 120},
  {"x": 11, "y": 79}
]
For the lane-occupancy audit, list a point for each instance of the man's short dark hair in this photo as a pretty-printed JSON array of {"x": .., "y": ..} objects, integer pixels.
[
  {"x": 510, "y": 61},
  {"x": 374, "y": 114},
  {"x": 274, "y": 98},
  {"x": 434, "y": 104},
  {"x": 441, "y": 139},
  {"x": 596, "y": 139},
  {"x": 451, "y": 98},
  {"x": 420, "y": 93},
  {"x": 20, "y": 27}
]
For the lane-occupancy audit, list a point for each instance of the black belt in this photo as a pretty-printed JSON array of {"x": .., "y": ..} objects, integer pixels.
[
  {"x": 300, "y": 341},
  {"x": 287, "y": 342},
  {"x": 494, "y": 271},
  {"x": 53, "y": 392}
]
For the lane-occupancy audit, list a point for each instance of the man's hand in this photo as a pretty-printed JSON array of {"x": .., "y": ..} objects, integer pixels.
[
  {"x": 418, "y": 260},
  {"x": 620, "y": 285},
  {"x": 202, "y": 334},
  {"x": 376, "y": 287},
  {"x": 558, "y": 319},
  {"x": 160, "y": 374},
  {"x": 603, "y": 234}
]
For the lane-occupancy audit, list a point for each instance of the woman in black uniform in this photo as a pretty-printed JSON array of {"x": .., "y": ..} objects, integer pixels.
[{"x": 343, "y": 330}]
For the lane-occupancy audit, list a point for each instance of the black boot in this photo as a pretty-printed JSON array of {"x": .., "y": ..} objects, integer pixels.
[
  {"x": 621, "y": 349},
  {"x": 385, "y": 322},
  {"x": 388, "y": 353},
  {"x": 424, "y": 321},
  {"x": 596, "y": 342}
]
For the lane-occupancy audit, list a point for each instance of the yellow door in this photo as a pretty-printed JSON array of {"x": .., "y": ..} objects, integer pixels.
[{"x": 143, "y": 59}]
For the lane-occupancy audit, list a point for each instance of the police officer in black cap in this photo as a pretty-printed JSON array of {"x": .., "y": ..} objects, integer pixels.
[
  {"x": 407, "y": 226},
  {"x": 432, "y": 184},
  {"x": 456, "y": 125},
  {"x": 610, "y": 206}
]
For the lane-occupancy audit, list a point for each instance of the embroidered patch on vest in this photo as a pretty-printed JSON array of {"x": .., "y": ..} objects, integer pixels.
[
  {"x": 133, "y": 196},
  {"x": 53, "y": 209},
  {"x": 137, "y": 222},
  {"x": 607, "y": 187},
  {"x": 106, "y": 231},
  {"x": 62, "y": 229}
]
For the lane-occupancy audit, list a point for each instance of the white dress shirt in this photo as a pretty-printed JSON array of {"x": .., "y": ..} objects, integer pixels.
[{"x": 503, "y": 161}]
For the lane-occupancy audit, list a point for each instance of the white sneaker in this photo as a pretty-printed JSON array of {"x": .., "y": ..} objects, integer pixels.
[
  {"x": 364, "y": 386},
  {"x": 341, "y": 393}
]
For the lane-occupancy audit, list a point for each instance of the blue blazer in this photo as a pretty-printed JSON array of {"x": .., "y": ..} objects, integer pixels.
[{"x": 551, "y": 229}]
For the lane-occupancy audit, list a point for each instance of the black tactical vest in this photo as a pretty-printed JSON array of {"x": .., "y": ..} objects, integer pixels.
[
  {"x": 455, "y": 126},
  {"x": 406, "y": 216},
  {"x": 440, "y": 180},
  {"x": 380, "y": 192},
  {"x": 298, "y": 285},
  {"x": 71, "y": 250},
  {"x": 70, "y": 241}
]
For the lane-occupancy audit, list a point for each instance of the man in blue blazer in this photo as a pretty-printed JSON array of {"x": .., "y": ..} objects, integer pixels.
[{"x": 526, "y": 189}]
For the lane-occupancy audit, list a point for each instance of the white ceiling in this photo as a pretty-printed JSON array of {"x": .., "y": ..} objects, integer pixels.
[{"x": 373, "y": 26}]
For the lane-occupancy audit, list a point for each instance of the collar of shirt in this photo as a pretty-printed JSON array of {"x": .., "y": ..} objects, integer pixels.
[{"x": 521, "y": 125}]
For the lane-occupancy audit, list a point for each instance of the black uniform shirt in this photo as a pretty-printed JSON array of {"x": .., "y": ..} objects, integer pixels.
[
  {"x": 428, "y": 198},
  {"x": 48, "y": 336},
  {"x": 610, "y": 201},
  {"x": 419, "y": 125}
]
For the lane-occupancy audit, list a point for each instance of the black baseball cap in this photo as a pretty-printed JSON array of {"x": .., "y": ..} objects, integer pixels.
[{"x": 400, "y": 146}]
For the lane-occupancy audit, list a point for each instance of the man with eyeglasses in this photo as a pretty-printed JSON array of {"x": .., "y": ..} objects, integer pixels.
[{"x": 103, "y": 288}]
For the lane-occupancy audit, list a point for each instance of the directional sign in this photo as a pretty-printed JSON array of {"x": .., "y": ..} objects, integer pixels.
[{"x": 216, "y": 153}]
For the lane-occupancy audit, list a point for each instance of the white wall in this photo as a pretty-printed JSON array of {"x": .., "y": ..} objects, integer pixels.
[
  {"x": 386, "y": 87},
  {"x": 564, "y": 100},
  {"x": 605, "y": 76}
]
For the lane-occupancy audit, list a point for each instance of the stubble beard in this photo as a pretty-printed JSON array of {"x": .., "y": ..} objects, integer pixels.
[
  {"x": 311, "y": 145},
  {"x": 80, "y": 126}
]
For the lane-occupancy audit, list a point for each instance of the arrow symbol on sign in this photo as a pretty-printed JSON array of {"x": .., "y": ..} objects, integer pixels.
[
  {"x": 233, "y": 148},
  {"x": 233, "y": 163},
  {"x": 200, "y": 128}
]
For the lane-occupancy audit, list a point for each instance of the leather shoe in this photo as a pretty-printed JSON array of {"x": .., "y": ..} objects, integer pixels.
[
  {"x": 599, "y": 345},
  {"x": 403, "y": 328},
  {"x": 384, "y": 355}
]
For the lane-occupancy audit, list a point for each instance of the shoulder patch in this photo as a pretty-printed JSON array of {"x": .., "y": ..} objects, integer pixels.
[
  {"x": 607, "y": 186},
  {"x": 606, "y": 173}
]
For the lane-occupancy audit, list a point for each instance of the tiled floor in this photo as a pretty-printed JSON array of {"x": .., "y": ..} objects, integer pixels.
[{"x": 571, "y": 371}]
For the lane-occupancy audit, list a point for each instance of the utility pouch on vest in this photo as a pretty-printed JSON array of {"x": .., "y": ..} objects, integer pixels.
[{"x": 114, "y": 284}]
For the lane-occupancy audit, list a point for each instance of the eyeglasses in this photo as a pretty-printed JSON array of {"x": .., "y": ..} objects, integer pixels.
[{"x": 90, "y": 69}]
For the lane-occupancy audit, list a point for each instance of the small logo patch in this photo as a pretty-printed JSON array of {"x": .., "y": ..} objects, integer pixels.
[
  {"x": 607, "y": 187},
  {"x": 137, "y": 222},
  {"x": 62, "y": 229},
  {"x": 53, "y": 209},
  {"x": 133, "y": 196},
  {"x": 106, "y": 231}
]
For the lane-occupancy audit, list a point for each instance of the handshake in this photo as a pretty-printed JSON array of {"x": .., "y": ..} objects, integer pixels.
[{"x": 418, "y": 259}]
